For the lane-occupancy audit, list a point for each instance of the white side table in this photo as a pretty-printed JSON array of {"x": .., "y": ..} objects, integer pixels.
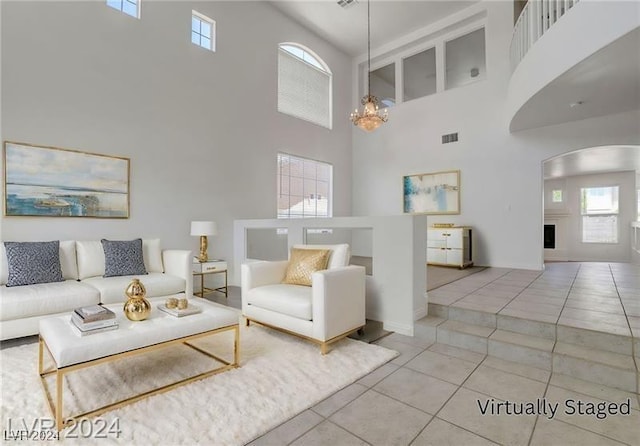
[{"x": 210, "y": 267}]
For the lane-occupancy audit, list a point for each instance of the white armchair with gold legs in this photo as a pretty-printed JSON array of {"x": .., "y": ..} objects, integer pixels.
[{"x": 331, "y": 308}]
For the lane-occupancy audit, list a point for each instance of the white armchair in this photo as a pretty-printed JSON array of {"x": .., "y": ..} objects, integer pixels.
[{"x": 331, "y": 309}]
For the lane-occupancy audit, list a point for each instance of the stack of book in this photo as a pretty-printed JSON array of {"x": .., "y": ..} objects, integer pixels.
[{"x": 93, "y": 319}]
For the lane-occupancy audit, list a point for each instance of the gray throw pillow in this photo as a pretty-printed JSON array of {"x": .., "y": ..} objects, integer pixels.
[
  {"x": 33, "y": 262},
  {"x": 123, "y": 258}
]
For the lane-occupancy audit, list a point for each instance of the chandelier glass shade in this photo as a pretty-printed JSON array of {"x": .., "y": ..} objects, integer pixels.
[{"x": 371, "y": 117}]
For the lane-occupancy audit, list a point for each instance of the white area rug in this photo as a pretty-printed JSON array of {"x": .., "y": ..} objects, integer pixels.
[{"x": 280, "y": 376}]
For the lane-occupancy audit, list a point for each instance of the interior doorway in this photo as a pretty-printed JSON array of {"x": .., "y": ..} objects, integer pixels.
[{"x": 591, "y": 204}]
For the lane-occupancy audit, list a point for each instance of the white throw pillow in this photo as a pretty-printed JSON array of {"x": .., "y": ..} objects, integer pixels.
[
  {"x": 68, "y": 260},
  {"x": 152, "y": 255},
  {"x": 90, "y": 258}
]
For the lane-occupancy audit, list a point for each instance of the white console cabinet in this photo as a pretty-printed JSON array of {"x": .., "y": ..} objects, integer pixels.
[{"x": 449, "y": 246}]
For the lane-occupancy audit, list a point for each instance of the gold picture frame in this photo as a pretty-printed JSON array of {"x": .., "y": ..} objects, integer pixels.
[
  {"x": 436, "y": 193},
  {"x": 44, "y": 181}
]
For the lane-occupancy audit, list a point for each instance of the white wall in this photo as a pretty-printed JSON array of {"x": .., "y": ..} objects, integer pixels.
[
  {"x": 501, "y": 173},
  {"x": 577, "y": 251},
  {"x": 201, "y": 128}
]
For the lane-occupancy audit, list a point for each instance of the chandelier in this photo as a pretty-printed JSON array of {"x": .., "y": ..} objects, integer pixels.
[{"x": 371, "y": 117}]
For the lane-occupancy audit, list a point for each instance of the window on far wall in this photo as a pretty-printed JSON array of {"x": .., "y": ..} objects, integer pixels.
[
  {"x": 203, "y": 31},
  {"x": 556, "y": 196},
  {"x": 304, "y": 187},
  {"x": 130, "y": 7},
  {"x": 383, "y": 85},
  {"x": 304, "y": 85},
  {"x": 599, "y": 209}
]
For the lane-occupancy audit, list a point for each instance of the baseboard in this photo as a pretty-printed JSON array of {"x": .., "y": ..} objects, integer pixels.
[
  {"x": 420, "y": 312},
  {"x": 398, "y": 328}
]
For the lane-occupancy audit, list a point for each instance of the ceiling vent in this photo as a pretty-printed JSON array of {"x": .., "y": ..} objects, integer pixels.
[
  {"x": 347, "y": 3},
  {"x": 451, "y": 137}
]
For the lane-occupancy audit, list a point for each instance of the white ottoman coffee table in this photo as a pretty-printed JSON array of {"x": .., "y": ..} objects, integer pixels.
[{"x": 70, "y": 351}]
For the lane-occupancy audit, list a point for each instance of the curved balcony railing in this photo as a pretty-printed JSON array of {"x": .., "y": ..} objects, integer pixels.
[{"x": 537, "y": 17}]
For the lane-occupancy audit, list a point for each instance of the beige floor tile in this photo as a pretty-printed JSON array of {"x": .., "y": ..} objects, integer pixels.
[
  {"x": 463, "y": 410},
  {"x": 622, "y": 330},
  {"x": 517, "y": 369},
  {"x": 411, "y": 340},
  {"x": 534, "y": 316},
  {"x": 328, "y": 433},
  {"x": 417, "y": 389},
  {"x": 614, "y": 307},
  {"x": 407, "y": 352},
  {"x": 551, "y": 432},
  {"x": 459, "y": 353},
  {"x": 503, "y": 385},
  {"x": 485, "y": 307},
  {"x": 594, "y": 390},
  {"x": 624, "y": 428},
  {"x": 535, "y": 299},
  {"x": 289, "y": 431},
  {"x": 339, "y": 399},
  {"x": 551, "y": 310},
  {"x": 445, "y": 367},
  {"x": 441, "y": 433},
  {"x": 594, "y": 316},
  {"x": 378, "y": 375},
  {"x": 381, "y": 420}
]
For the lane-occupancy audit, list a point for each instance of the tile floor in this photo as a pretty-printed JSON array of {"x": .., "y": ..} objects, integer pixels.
[
  {"x": 603, "y": 297},
  {"x": 430, "y": 393}
]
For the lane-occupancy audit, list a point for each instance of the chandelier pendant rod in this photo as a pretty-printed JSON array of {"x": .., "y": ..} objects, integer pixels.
[{"x": 369, "y": 47}]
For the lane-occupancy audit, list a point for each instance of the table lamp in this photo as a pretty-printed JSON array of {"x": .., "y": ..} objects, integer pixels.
[{"x": 203, "y": 229}]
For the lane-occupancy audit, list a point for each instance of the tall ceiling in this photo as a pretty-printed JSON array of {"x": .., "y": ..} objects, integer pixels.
[
  {"x": 346, "y": 28},
  {"x": 607, "y": 82}
]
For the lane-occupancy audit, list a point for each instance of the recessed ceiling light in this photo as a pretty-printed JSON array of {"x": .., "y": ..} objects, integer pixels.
[{"x": 575, "y": 104}]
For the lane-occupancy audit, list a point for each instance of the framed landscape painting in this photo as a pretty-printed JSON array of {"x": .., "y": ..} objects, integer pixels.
[
  {"x": 53, "y": 182},
  {"x": 432, "y": 193}
]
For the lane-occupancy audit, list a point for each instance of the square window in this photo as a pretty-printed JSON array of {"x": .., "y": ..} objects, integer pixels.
[
  {"x": 203, "y": 31},
  {"x": 129, "y": 7},
  {"x": 599, "y": 208},
  {"x": 302, "y": 194},
  {"x": 419, "y": 75},
  {"x": 465, "y": 59},
  {"x": 383, "y": 85}
]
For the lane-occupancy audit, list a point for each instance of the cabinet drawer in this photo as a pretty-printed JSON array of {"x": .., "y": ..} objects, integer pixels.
[
  {"x": 436, "y": 244},
  {"x": 454, "y": 257},
  {"x": 436, "y": 235},
  {"x": 208, "y": 267},
  {"x": 436, "y": 255}
]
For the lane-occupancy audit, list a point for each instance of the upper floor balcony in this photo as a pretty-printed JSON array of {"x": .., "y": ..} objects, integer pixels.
[{"x": 573, "y": 60}]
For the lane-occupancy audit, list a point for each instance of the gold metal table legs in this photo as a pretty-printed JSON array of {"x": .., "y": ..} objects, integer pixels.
[{"x": 57, "y": 406}]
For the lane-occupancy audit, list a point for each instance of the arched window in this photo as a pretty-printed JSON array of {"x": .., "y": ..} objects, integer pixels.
[{"x": 304, "y": 85}]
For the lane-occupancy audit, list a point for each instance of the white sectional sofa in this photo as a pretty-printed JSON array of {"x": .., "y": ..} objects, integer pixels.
[{"x": 83, "y": 268}]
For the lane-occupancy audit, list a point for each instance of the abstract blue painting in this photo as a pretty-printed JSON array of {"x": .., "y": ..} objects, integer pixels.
[
  {"x": 48, "y": 181},
  {"x": 432, "y": 193}
]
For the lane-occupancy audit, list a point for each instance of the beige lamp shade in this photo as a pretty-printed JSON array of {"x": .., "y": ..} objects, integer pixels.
[{"x": 203, "y": 228}]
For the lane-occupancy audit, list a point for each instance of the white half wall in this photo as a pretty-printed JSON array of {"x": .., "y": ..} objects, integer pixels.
[
  {"x": 202, "y": 129},
  {"x": 396, "y": 292}
]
